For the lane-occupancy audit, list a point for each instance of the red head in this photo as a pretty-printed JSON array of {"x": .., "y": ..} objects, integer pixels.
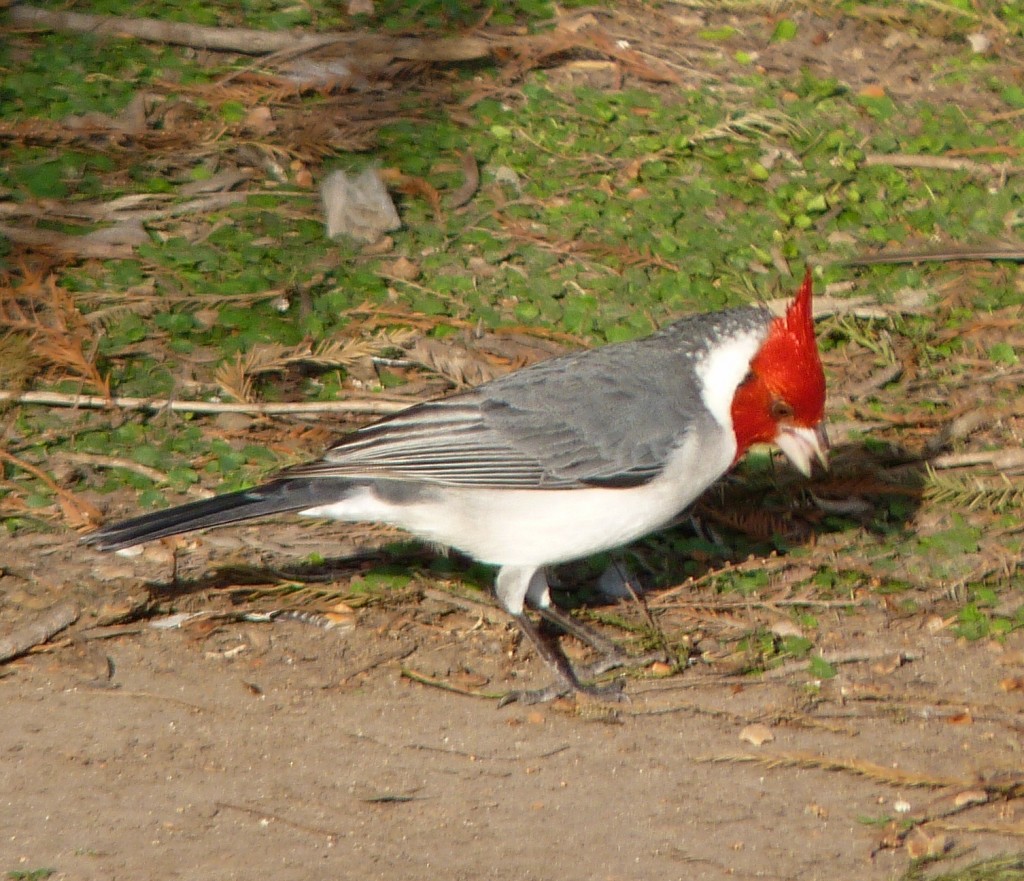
[{"x": 782, "y": 400}]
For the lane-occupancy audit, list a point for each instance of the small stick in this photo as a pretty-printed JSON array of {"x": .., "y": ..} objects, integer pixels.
[
  {"x": 53, "y": 621},
  {"x": 433, "y": 682},
  {"x": 98, "y": 461},
  {"x": 941, "y": 163},
  {"x": 1013, "y": 255},
  {"x": 249, "y": 41},
  {"x": 155, "y": 405},
  {"x": 1004, "y": 459}
]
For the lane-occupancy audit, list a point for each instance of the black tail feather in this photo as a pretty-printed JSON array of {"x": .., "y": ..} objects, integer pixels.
[{"x": 276, "y": 497}]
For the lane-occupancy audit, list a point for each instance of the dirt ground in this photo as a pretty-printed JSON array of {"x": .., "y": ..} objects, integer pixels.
[
  {"x": 219, "y": 748},
  {"x": 138, "y": 745}
]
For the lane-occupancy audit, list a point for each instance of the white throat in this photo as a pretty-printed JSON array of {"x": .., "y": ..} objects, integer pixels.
[{"x": 721, "y": 372}]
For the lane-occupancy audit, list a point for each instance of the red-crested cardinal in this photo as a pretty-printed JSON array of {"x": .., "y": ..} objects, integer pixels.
[{"x": 562, "y": 459}]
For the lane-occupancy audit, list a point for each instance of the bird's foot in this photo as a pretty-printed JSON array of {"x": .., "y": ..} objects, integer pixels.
[
  {"x": 566, "y": 681},
  {"x": 604, "y": 693}
]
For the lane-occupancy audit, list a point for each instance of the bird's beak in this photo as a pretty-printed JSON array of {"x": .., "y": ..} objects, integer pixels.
[{"x": 803, "y": 445}]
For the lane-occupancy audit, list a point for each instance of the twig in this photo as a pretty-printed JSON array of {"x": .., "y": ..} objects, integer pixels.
[
  {"x": 991, "y": 828},
  {"x": 80, "y": 246},
  {"x": 377, "y": 660},
  {"x": 490, "y": 613},
  {"x": 766, "y": 564},
  {"x": 255, "y": 42},
  {"x": 1002, "y": 460},
  {"x": 99, "y": 461},
  {"x": 148, "y": 695},
  {"x": 859, "y": 307},
  {"x": 249, "y": 41},
  {"x": 1015, "y": 255},
  {"x": 267, "y": 816},
  {"x": 942, "y": 163},
  {"x": 478, "y": 757},
  {"x": 434, "y": 682},
  {"x": 881, "y": 377},
  {"x": 154, "y": 405},
  {"x": 855, "y": 656},
  {"x": 37, "y": 632},
  {"x": 78, "y": 511},
  {"x": 860, "y": 767}
]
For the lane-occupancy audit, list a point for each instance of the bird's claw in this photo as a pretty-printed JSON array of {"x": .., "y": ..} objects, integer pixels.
[{"x": 607, "y": 693}]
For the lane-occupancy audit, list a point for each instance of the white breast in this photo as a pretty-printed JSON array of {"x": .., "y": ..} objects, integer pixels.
[{"x": 541, "y": 527}]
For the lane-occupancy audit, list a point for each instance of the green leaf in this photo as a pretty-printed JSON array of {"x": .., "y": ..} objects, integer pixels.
[
  {"x": 819, "y": 668},
  {"x": 1003, "y": 353},
  {"x": 786, "y": 29},
  {"x": 716, "y": 34}
]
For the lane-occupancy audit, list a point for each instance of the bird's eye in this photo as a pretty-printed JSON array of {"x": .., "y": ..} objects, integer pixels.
[{"x": 781, "y": 410}]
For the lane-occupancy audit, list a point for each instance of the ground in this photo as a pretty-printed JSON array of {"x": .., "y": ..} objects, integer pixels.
[
  {"x": 181, "y": 727},
  {"x": 225, "y": 749}
]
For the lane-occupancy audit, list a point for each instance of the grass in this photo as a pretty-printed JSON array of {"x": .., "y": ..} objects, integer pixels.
[
  {"x": 604, "y": 209},
  {"x": 1001, "y": 868}
]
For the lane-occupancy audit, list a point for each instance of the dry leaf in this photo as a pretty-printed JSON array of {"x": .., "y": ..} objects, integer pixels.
[
  {"x": 339, "y": 619},
  {"x": 403, "y": 268},
  {"x": 889, "y": 664},
  {"x": 936, "y": 623},
  {"x": 467, "y": 189},
  {"x": 459, "y": 363},
  {"x": 921, "y": 844},
  {"x": 786, "y": 628},
  {"x": 872, "y": 91},
  {"x": 757, "y": 734},
  {"x": 971, "y": 797},
  {"x": 260, "y": 120}
]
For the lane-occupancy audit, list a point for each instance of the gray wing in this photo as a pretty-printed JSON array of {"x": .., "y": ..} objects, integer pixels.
[{"x": 609, "y": 416}]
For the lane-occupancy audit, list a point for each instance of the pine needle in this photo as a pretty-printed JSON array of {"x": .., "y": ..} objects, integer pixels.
[
  {"x": 235, "y": 377},
  {"x": 971, "y": 492},
  {"x": 860, "y": 767}
]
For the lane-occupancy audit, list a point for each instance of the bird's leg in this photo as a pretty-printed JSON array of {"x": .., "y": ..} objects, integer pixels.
[
  {"x": 567, "y": 624},
  {"x": 612, "y": 657},
  {"x": 565, "y": 677},
  {"x": 538, "y": 596},
  {"x": 516, "y": 585},
  {"x": 566, "y": 680}
]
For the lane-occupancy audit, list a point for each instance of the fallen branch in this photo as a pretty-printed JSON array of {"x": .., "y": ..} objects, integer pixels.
[
  {"x": 1013, "y": 255},
  {"x": 942, "y": 163},
  {"x": 156, "y": 405},
  {"x": 98, "y": 461},
  {"x": 1006, "y": 459},
  {"x": 61, "y": 243},
  {"x": 248, "y": 41},
  {"x": 53, "y": 621}
]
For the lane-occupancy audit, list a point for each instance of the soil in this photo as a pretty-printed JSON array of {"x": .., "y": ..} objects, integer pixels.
[
  {"x": 219, "y": 748},
  {"x": 235, "y": 744}
]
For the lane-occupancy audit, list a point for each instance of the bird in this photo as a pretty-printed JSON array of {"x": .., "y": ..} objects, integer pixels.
[{"x": 560, "y": 460}]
